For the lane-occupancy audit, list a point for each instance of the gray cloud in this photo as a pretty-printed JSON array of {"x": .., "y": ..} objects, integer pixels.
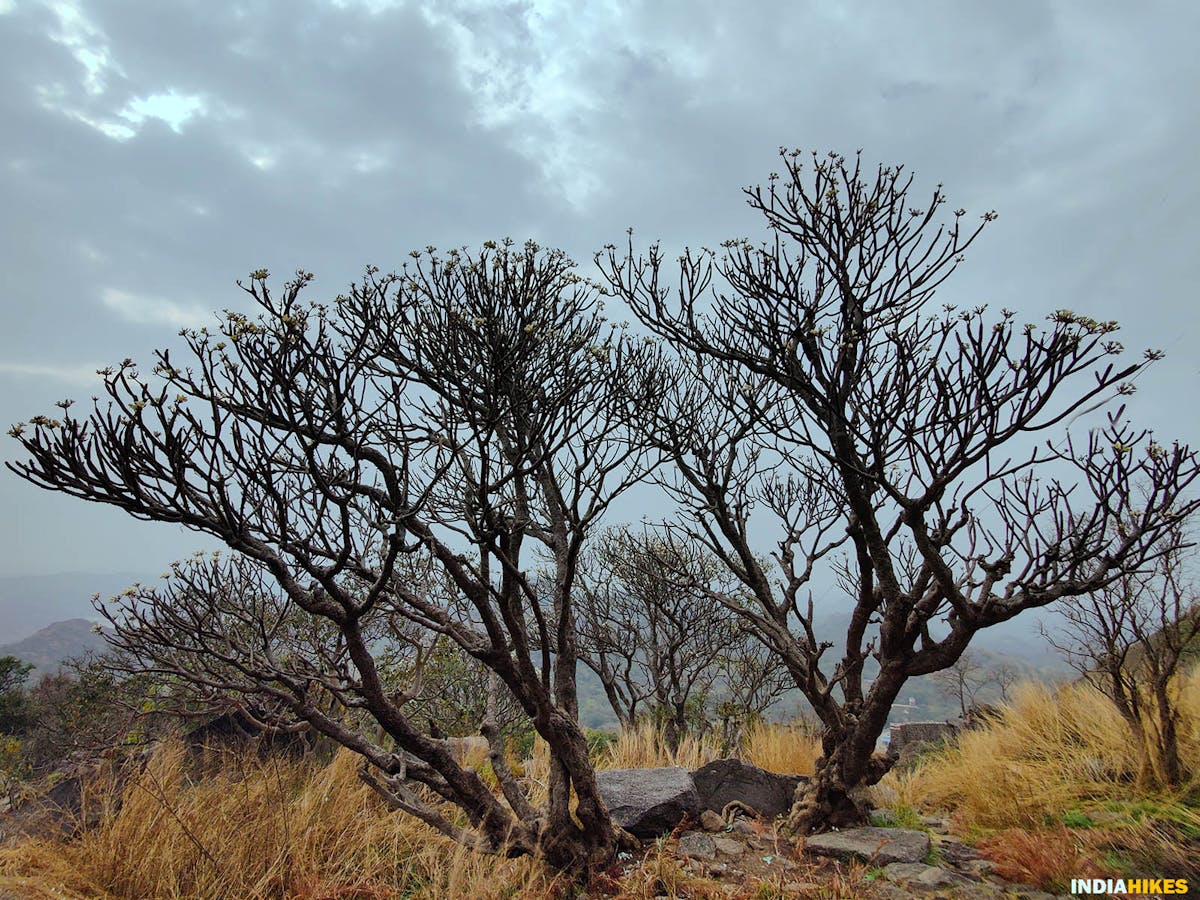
[{"x": 152, "y": 153}]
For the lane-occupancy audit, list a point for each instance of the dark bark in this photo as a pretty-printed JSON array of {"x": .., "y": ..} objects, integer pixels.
[
  {"x": 391, "y": 471},
  {"x": 823, "y": 389}
]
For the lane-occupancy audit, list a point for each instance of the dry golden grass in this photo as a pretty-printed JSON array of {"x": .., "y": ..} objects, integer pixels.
[
  {"x": 785, "y": 748},
  {"x": 258, "y": 829},
  {"x": 642, "y": 747},
  {"x": 300, "y": 830},
  {"x": 1051, "y": 751},
  {"x": 274, "y": 828}
]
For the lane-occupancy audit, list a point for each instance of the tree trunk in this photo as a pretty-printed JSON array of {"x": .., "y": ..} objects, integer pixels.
[
  {"x": 1168, "y": 767},
  {"x": 833, "y": 797},
  {"x": 585, "y": 839}
]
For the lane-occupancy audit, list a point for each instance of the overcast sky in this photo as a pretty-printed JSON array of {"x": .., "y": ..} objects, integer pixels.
[{"x": 152, "y": 153}]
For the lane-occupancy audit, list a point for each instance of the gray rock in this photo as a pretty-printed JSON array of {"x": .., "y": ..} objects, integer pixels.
[
  {"x": 697, "y": 845},
  {"x": 908, "y": 739},
  {"x": 710, "y": 821},
  {"x": 937, "y": 877},
  {"x": 648, "y": 802},
  {"x": 936, "y": 824},
  {"x": 955, "y": 852},
  {"x": 878, "y": 846},
  {"x": 904, "y": 871},
  {"x": 741, "y": 826},
  {"x": 978, "y": 867},
  {"x": 723, "y": 780},
  {"x": 882, "y": 817},
  {"x": 921, "y": 875},
  {"x": 729, "y": 846}
]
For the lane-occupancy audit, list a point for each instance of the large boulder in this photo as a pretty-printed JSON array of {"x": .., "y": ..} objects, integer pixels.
[
  {"x": 724, "y": 780},
  {"x": 648, "y": 802},
  {"x": 877, "y": 846}
]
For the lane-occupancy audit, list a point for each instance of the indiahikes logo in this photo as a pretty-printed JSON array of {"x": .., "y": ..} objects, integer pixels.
[{"x": 1129, "y": 886}]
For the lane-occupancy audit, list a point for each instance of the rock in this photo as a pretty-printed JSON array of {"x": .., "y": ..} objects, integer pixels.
[
  {"x": 878, "y": 846},
  {"x": 741, "y": 826},
  {"x": 883, "y": 817},
  {"x": 729, "y": 846},
  {"x": 956, "y": 853},
  {"x": 983, "y": 891},
  {"x": 648, "y": 802},
  {"x": 936, "y": 824},
  {"x": 907, "y": 739},
  {"x": 716, "y": 870},
  {"x": 697, "y": 845},
  {"x": 903, "y": 871},
  {"x": 937, "y": 877},
  {"x": 710, "y": 821},
  {"x": 761, "y": 842},
  {"x": 237, "y": 728},
  {"x": 980, "y": 868},
  {"x": 919, "y": 874},
  {"x": 723, "y": 780}
]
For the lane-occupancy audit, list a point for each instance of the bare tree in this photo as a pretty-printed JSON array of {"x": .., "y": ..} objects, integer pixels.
[
  {"x": 1129, "y": 639},
  {"x": 467, "y": 416},
  {"x": 962, "y": 681},
  {"x": 653, "y": 639},
  {"x": 752, "y": 681},
  {"x": 822, "y": 389},
  {"x": 1006, "y": 677}
]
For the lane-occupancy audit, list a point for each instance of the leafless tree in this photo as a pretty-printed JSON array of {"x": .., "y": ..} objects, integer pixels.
[
  {"x": 466, "y": 416},
  {"x": 662, "y": 647},
  {"x": 962, "y": 681},
  {"x": 752, "y": 681},
  {"x": 819, "y": 386},
  {"x": 1129, "y": 639},
  {"x": 1006, "y": 677}
]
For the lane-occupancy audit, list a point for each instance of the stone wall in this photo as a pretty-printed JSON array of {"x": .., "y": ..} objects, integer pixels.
[{"x": 909, "y": 738}]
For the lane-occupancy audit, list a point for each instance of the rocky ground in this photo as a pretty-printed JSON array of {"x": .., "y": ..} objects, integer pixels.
[
  {"x": 730, "y": 844},
  {"x": 737, "y": 857}
]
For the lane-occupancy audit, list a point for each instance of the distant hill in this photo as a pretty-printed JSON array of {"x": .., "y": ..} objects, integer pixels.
[
  {"x": 30, "y": 602},
  {"x": 49, "y": 646}
]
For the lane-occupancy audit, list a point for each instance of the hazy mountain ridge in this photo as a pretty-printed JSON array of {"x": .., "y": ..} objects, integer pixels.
[
  {"x": 49, "y": 646},
  {"x": 32, "y": 602}
]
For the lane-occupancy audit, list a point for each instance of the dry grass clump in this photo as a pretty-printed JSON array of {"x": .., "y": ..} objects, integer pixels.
[
  {"x": 1049, "y": 789},
  {"x": 1048, "y": 858},
  {"x": 1051, "y": 750},
  {"x": 790, "y": 749},
  {"x": 260, "y": 829},
  {"x": 643, "y": 747},
  {"x": 786, "y": 748}
]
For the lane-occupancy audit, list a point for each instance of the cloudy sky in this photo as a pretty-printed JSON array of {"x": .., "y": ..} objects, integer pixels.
[{"x": 152, "y": 153}]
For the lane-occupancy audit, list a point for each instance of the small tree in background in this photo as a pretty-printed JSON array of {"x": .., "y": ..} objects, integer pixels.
[
  {"x": 661, "y": 647},
  {"x": 963, "y": 681},
  {"x": 1129, "y": 638},
  {"x": 466, "y": 417},
  {"x": 820, "y": 387}
]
